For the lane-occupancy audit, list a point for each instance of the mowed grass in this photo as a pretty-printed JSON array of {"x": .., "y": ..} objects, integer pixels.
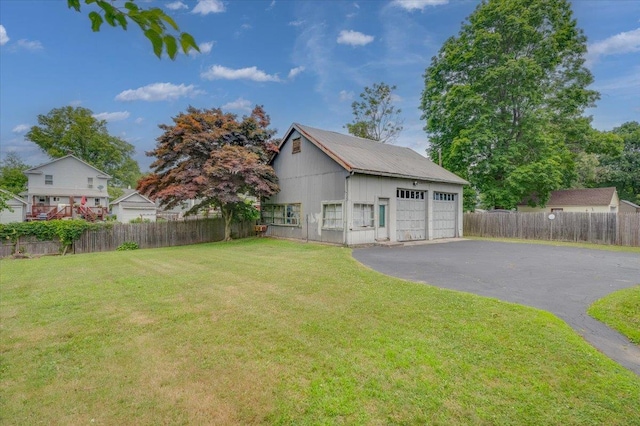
[
  {"x": 262, "y": 331},
  {"x": 620, "y": 310}
]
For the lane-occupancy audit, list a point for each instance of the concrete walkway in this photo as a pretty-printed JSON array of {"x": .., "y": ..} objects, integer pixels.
[{"x": 561, "y": 280}]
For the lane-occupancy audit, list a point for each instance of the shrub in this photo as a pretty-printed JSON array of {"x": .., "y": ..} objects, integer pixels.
[{"x": 128, "y": 245}]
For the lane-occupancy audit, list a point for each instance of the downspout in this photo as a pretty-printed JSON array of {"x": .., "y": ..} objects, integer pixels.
[{"x": 346, "y": 209}]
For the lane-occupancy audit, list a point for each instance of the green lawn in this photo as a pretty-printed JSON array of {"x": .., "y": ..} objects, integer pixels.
[
  {"x": 261, "y": 331},
  {"x": 620, "y": 310}
]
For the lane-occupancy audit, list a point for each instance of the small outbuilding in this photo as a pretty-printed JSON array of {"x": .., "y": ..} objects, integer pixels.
[
  {"x": 17, "y": 211},
  {"x": 590, "y": 200},
  {"x": 348, "y": 190},
  {"x": 133, "y": 205},
  {"x": 629, "y": 207}
]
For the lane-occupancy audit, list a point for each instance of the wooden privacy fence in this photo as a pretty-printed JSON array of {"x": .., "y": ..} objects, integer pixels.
[
  {"x": 600, "y": 228},
  {"x": 146, "y": 235},
  {"x": 159, "y": 234}
]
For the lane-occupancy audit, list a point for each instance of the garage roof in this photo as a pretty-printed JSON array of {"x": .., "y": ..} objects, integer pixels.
[{"x": 359, "y": 155}]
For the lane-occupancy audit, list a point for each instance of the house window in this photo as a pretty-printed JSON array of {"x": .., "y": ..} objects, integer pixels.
[
  {"x": 90, "y": 182},
  {"x": 56, "y": 199},
  {"x": 408, "y": 194},
  {"x": 332, "y": 215},
  {"x": 97, "y": 202},
  {"x": 281, "y": 214},
  {"x": 363, "y": 215},
  {"x": 296, "y": 147},
  {"x": 48, "y": 179}
]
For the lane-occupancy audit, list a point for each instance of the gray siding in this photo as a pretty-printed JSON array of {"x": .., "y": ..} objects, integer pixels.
[{"x": 309, "y": 178}]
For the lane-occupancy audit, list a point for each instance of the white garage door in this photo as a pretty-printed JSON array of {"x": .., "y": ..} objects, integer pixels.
[
  {"x": 411, "y": 215},
  {"x": 444, "y": 215}
]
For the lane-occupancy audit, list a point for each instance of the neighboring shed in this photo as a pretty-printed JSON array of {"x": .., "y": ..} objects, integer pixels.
[
  {"x": 628, "y": 207},
  {"x": 348, "y": 190},
  {"x": 592, "y": 200},
  {"x": 133, "y": 205},
  {"x": 17, "y": 204}
]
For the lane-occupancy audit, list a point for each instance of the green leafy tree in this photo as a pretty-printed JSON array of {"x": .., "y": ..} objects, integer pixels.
[
  {"x": 12, "y": 177},
  {"x": 75, "y": 130},
  {"x": 374, "y": 116},
  {"x": 211, "y": 156},
  {"x": 161, "y": 30},
  {"x": 622, "y": 169},
  {"x": 504, "y": 100}
]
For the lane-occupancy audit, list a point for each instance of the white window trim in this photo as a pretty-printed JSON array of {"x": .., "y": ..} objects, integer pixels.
[
  {"x": 340, "y": 226},
  {"x": 372, "y": 221}
]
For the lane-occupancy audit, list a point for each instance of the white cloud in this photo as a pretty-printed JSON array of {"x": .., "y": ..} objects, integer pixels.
[
  {"x": 139, "y": 120},
  {"x": 272, "y": 5},
  {"x": 354, "y": 38},
  {"x": 205, "y": 7},
  {"x": 625, "y": 42},
  {"x": 21, "y": 128},
  {"x": 29, "y": 45},
  {"x": 158, "y": 92},
  {"x": 297, "y": 23},
  {"x": 238, "y": 104},
  {"x": 176, "y": 5},
  {"x": 205, "y": 48},
  {"x": 112, "y": 116},
  {"x": 4, "y": 38},
  {"x": 346, "y": 96},
  {"x": 295, "y": 71},
  {"x": 217, "y": 72},
  {"x": 412, "y": 5}
]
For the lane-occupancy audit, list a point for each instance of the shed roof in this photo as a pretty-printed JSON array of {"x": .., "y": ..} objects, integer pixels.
[
  {"x": 370, "y": 157},
  {"x": 581, "y": 197},
  {"x": 635, "y": 206},
  {"x": 128, "y": 193},
  {"x": 13, "y": 196}
]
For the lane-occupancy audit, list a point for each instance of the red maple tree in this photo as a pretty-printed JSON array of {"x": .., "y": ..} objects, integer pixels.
[{"x": 212, "y": 157}]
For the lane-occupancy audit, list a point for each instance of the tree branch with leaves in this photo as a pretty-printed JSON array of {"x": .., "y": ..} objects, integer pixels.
[{"x": 161, "y": 30}]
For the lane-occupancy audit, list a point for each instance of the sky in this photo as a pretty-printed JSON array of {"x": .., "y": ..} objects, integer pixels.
[{"x": 304, "y": 61}]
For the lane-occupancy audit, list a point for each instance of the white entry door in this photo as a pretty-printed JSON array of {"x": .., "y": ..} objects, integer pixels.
[
  {"x": 411, "y": 215},
  {"x": 445, "y": 208},
  {"x": 383, "y": 219}
]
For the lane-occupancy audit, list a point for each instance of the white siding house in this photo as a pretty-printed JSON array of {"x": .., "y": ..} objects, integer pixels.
[
  {"x": 348, "y": 190},
  {"x": 17, "y": 204},
  {"x": 133, "y": 205},
  {"x": 60, "y": 187}
]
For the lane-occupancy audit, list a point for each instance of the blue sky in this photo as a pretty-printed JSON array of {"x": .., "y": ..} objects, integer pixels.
[{"x": 304, "y": 61}]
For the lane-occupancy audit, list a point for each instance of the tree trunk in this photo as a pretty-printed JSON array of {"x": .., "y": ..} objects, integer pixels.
[{"x": 228, "y": 218}]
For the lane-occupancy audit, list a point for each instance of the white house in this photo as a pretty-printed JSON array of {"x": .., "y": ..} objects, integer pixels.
[
  {"x": 348, "y": 190},
  {"x": 66, "y": 187},
  {"x": 17, "y": 204},
  {"x": 133, "y": 205}
]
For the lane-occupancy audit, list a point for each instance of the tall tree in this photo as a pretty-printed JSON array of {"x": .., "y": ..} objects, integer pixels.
[
  {"x": 12, "y": 177},
  {"x": 504, "y": 100},
  {"x": 156, "y": 25},
  {"x": 374, "y": 116},
  {"x": 212, "y": 157},
  {"x": 622, "y": 169},
  {"x": 75, "y": 130}
]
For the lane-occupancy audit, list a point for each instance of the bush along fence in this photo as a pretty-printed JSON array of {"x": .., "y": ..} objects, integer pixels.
[
  {"x": 78, "y": 236},
  {"x": 599, "y": 228}
]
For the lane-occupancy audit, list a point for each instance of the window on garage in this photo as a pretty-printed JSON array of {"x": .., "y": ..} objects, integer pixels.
[
  {"x": 332, "y": 215},
  {"x": 363, "y": 215},
  {"x": 281, "y": 214}
]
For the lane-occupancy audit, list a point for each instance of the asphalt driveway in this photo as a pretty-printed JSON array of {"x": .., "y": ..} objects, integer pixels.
[{"x": 561, "y": 280}]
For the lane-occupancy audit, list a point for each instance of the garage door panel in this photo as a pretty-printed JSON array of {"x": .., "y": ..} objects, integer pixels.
[
  {"x": 411, "y": 215},
  {"x": 444, "y": 215}
]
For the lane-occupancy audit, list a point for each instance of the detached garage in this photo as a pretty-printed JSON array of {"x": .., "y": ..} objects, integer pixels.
[
  {"x": 133, "y": 205},
  {"x": 347, "y": 190},
  {"x": 17, "y": 204}
]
